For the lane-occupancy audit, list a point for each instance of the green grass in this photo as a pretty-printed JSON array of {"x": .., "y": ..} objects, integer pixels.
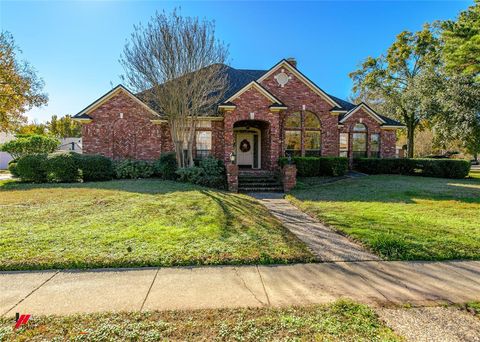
[
  {"x": 473, "y": 307},
  {"x": 401, "y": 217},
  {"x": 341, "y": 321},
  {"x": 136, "y": 223}
]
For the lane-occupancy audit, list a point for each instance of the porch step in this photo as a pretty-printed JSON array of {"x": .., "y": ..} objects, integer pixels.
[
  {"x": 261, "y": 189},
  {"x": 259, "y": 181}
]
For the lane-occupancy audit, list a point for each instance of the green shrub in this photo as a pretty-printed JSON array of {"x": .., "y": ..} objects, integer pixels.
[
  {"x": 63, "y": 167},
  {"x": 210, "y": 172},
  {"x": 212, "y": 166},
  {"x": 318, "y": 166},
  {"x": 442, "y": 168},
  {"x": 192, "y": 174},
  {"x": 166, "y": 166},
  {"x": 12, "y": 167},
  {"x": 385, "y": 166},
  {"x": 32, "y": 168},
  {"x": 96, "y": 168},
  {"x": 133, "y": 169},
  {"x": 30, "y": 144}
]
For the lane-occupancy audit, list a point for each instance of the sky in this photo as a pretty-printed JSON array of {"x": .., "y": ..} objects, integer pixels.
[{"x": 75, "y": 46}]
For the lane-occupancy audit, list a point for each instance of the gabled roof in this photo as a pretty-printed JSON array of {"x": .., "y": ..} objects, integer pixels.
[
  {"x": 383, "y": 120},
  {"x": 83, "y": 114},
  {"x": 262, "y": 90},
  {"x": 285, "y": 64}
]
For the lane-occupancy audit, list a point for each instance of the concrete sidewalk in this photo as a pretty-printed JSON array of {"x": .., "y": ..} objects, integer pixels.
[{"x": 374, "y": 282}]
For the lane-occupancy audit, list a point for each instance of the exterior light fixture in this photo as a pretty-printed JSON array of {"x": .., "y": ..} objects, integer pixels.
[{"x": 232, "y": 158}]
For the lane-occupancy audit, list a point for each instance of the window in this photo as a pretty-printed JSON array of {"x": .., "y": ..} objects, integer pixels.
[
  {"x": 204, "y": 124},
  {"x": 312, "y": 143},
  {"x": 303, "y": 126},
  {"x": 294, "y": 121},
  {"x": 293, "y": 145},
  {"x": 343, "y": 144},
  {"x": 203, "y": 144},
  {"x": 311, "y": 121},
  {"x": 359, "y": 141},
  {"x": 375, "y": 145}
]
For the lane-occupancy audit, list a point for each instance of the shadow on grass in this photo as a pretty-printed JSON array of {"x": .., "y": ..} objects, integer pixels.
[
  {"x": 391, "y": 189},
  {"x": 142, "y": 186}
]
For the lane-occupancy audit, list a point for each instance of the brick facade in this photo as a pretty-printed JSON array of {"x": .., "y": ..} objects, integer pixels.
[
  {"x": 133, "y": 134},
  {"x": 121, "y": 128}
]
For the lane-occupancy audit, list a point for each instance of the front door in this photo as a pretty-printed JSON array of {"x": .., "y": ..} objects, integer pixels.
[{"x": 245, "y": 149}]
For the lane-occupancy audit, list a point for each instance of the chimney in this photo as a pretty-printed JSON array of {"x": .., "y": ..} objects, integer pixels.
[{"x": 292, "y": 61}]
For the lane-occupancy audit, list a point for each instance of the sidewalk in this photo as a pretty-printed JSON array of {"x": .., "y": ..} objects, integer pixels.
[{"x": 372, "y": 282}]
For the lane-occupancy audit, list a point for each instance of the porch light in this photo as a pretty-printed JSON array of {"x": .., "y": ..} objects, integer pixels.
[{"x": 232, "y": 158}]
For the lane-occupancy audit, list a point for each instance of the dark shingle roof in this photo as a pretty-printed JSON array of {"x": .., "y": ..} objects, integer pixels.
[
  {"x": 345, "y": 104},
  {"x": 239, "y": 78}
]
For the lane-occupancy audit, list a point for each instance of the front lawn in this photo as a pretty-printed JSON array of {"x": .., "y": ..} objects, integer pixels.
[
  {"x": 401, "y": 217},
  {"x": 341, "y": 321},
  {"x": 136, "y": 223}
]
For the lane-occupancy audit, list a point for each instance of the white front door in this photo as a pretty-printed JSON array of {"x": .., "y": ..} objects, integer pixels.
[{"x": 245, "y": 149}]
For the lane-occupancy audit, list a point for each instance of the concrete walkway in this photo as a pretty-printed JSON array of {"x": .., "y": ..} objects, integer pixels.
[
  {"x": 4, "y": 176},
  {"x": 374, "y": 282},
  {"x": 324, "y": 243}
]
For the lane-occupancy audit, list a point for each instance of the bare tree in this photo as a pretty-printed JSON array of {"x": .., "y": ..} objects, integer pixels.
[{"x": 177, "y": 65}]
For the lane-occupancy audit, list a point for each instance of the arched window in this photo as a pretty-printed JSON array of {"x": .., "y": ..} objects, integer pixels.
[
  {"x": 303, "y": 126},
  {"x": 293, "y": 134},
  {"x": 359, "y": 141},
  {"x": 312, "y": 134}
]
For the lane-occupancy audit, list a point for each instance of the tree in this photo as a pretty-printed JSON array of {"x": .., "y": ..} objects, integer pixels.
[
  {"x": 462, "y": 42},
  {"x": 30, "y": 144},
  {"x": 402, "y": 83},
  {"x": 20, "y": 87},
  {"x": 65, "y": 127},
  {"x": 32, "y": 128},
  {"x": 176, "y": 64},
  {"x": 459, "y": 99}
]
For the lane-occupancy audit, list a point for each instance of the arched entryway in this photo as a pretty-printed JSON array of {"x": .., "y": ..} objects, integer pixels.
[{"x": 251, "y": 144}]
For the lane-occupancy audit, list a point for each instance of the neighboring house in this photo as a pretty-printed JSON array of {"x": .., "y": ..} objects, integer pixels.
[
  {"x": 266, "y": 114},
  {"x": 71, "y": 144},
  {"x": 4, "y": 156}
]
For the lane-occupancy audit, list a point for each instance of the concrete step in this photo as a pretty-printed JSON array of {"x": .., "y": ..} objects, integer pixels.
[
  {"x": 260, "y": 185},
  {"x": 260, "y": 189},
  {"x": 258, "y": 180}
]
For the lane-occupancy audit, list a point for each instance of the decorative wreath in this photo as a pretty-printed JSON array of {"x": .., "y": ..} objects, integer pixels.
[{"x": 245, "y": 146}]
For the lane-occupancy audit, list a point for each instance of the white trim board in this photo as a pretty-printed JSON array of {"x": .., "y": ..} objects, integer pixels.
[
  {"x": 367, "y": 109},
  {"x": 257, "y": 86}
]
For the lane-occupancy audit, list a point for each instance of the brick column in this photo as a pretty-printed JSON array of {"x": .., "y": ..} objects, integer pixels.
[
  {"x": 289, "y": 177},
  {"x": 232, "y": 177}
]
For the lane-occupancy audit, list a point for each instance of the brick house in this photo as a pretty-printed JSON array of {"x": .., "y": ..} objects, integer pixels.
[{"x": 266, "y": 114}]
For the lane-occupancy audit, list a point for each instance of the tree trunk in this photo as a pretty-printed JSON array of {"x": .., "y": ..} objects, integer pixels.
[
  {"x": 179, "y": 153},
  {"x": 410, "y": 139}
]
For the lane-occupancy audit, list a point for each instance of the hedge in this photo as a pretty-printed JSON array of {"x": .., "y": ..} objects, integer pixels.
[
  {"x": 63, "y": 167},
  {"x": 318, "y": 166},
  {"x": 210, "y": 172},
  {"x": 32, "y": 168},
  {"x": 96, "y": 168},
  {"x": 166, "y": 166},
  {"x": 441, "y": 168},
  {"x": 133, "y": 169}
]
